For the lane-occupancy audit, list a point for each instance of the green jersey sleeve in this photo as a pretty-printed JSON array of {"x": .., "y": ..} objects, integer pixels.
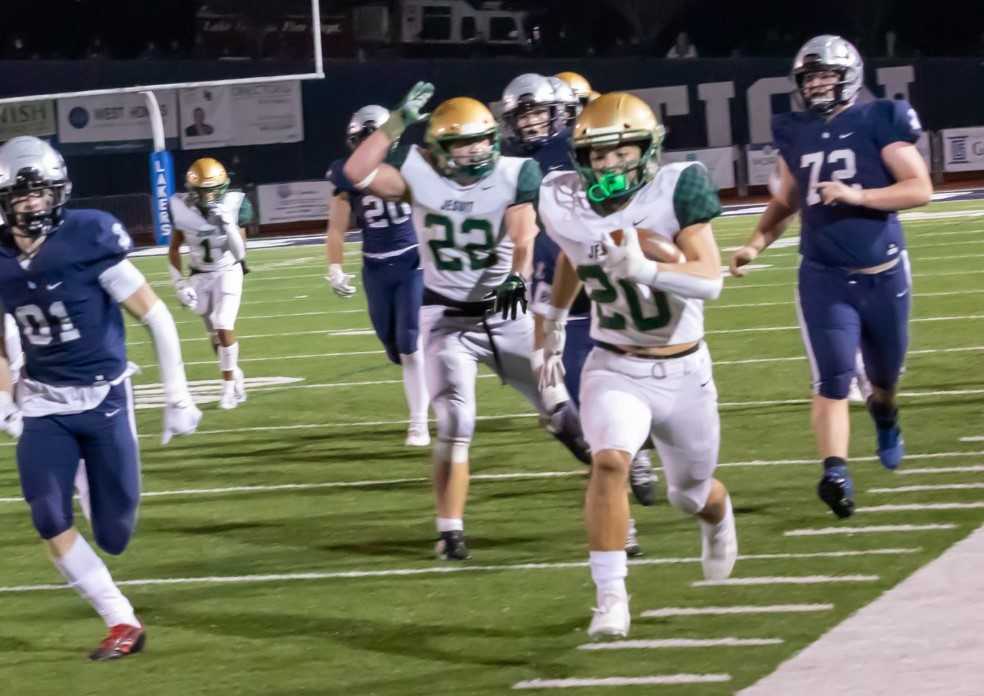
[
  {"x": 695, "y": 199},
  {"x": 528, "y": 182},
  {"x": 397, "y": 156},
  {"x": 247, "y": 216}
]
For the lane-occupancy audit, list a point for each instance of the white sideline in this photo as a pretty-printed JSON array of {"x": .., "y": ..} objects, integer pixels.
[
  {"x": 928, "y": 487},
  {"x": 916, "y": 507},
  {"x": 923, "y": 636},
  {"x": 873, "y": 529},
  {"x": 657, "y": 680},
  {"x": 785, "y": 580},
  {"x": 674, "y": 643},
  {"x": 941, "y": 470},
  {"x": 445, "y": 570},
  {"x": 724, "y": 611}
]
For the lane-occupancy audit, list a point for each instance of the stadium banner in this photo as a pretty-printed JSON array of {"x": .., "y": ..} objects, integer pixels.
[
  {"x": 27, "y": 118},
  {"x": 257, "y": 114},
  {"x": 718, "y": 160},
  {"x": 161, "y": 189},
  {"x": 762, "y": 161},
  {"x": 113, "y": 123},
  {"x": 963, "y": 149},
  {"x": 294, "y": 201}
]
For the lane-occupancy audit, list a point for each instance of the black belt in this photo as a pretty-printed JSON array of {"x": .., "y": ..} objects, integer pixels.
[
  {"x": 461, "y": 309},
  {"x": 478, "y": 310},
  {"x": 621, "y": 351},
  {"x": 196, "y": 271}
]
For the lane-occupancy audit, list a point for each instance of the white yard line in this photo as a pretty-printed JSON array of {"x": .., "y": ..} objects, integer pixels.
[
  {"x": 923, "y": 636},
  {"x": 733, "y": 285},
  {"x": 725, "y": 611},
  {"x": 744, "y": 305},
  {"x": 785, "y": 580},
  {"x": 675, "y": 643},
  {"x": 438, "y": 570},
  {"x": 366, "y": 331},
  {"x": 929, "y": 487},
  {"x": 972, "y": 438},
  {"x": 942, "y": 470},
  {"x": 919, "y": 507},
  {"x": 874, "y": 529},
  {"x": 656, "y": 680}
]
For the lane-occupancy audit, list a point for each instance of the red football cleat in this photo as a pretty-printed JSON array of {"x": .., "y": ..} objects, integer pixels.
[{"x": 122, "y": 640}]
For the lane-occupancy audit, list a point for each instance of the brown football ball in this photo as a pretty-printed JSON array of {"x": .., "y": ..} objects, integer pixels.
[{"x": 655, "y": 247}]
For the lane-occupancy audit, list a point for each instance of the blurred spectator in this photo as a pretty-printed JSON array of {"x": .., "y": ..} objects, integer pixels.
[
  {"x": 150, "y": 52},
  {"x": 891, "y": 42},
  {"x": 682, "y": 48},
  {"x": 198, "y": 49},
  {"x": 175, "y": 50},
  {"x": 16, "y": 48},
  {"x": 96, "y": 50}
]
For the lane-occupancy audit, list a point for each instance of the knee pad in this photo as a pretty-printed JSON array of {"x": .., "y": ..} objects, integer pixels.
[
  {"x": 455, "y": 423},
  {"x": 690, "y": 499},
  {"x": 406, "y": 342},
  {"x": 393, "y": 352},
  {"x": 453, "y": 452},
  {"x": 50, "y": 517},
  {"x": 836, "y": 386},
  {"x": 113, "y": 535}
]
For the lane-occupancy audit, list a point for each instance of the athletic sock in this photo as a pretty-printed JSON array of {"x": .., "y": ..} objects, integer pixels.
[
  {"x": 415, "y": 386},
  {"x": 609, "y": 570},
  {"x": 831, "y": 462},
  {"x": 229, "y": 357},
  {"x": 450, "y": 524},
  {"x": 90, "y": 577}
]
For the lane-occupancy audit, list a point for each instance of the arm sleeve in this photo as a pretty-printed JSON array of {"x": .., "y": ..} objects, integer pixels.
[
  {"x": 528, "y": 182},
  {"x": 695, "y": 199},
  {"x": 896, "y": 121},
  {"x": 167, "y": 345},
  {"x": 122, "y": 280}
]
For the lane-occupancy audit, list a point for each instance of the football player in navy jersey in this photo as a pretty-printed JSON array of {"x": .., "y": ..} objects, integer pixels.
[
  {"x": 535, "y": 116},
  {"x": 391, "y": 271},
  {"x": 847, "y": 167},
  {"x": 63, "y": 275}
]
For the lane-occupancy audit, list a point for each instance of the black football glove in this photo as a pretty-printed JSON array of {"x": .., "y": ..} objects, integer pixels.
[{"x": 509, "y": 295}]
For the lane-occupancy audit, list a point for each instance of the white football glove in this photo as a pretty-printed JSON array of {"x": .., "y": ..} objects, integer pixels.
[
  {"x": 554, "y": 340},
  {"x": 11, "y": 421},
  {"x": 340, "y": 281},
  {"x": 180, "y": 418},
  {"x": 626, "y": 260},
  {"x": 187, "y": 295}
]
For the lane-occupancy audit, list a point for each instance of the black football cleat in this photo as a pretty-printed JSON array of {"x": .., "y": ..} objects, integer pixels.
[
  {"x": 837, "y": 490},
  {"x": 642, "y": 479},
  {"x": 565, "y": 425},
  {"x": 121, "y": 641},
  {"x": 451, "y": 547}
]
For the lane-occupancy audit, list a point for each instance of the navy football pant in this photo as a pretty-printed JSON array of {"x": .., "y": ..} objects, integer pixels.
[
  {"x": 841, "y": 311},
  {"x": 576, "y": 350},
  {"x": 395, "y": 289},
  {"x": 48, "y": 455}
]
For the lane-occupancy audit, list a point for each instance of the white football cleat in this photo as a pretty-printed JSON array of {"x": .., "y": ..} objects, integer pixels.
[
  {"x": 239, "y": 380},
  {"x": 417, "y": 435},
  {"x": 228, "y": 400},
  {"x": 611, "y": 617},
  {"x": 719, "y": 545}
]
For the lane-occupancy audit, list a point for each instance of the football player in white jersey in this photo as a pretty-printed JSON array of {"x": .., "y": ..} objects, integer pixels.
[
  {"x": 475, "y": 220},
  {"x": 209, "y": 219},
  {"x": 650, "y": 371}
]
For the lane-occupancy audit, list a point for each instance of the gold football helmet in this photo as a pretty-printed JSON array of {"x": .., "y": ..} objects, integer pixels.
[
  {"x": 578, "y": 83},
  {"x": 207, "y": 181},
  {"x": 613, "y": 120},
  {"x": 453, "y": 121},
  {"x": 592, "y": 95}
]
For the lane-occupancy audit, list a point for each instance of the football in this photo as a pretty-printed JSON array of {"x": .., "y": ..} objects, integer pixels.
[{"x": 655, "y": 247}]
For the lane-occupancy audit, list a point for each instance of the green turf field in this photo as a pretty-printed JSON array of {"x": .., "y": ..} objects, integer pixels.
[{"x": 289, "y": 541}]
